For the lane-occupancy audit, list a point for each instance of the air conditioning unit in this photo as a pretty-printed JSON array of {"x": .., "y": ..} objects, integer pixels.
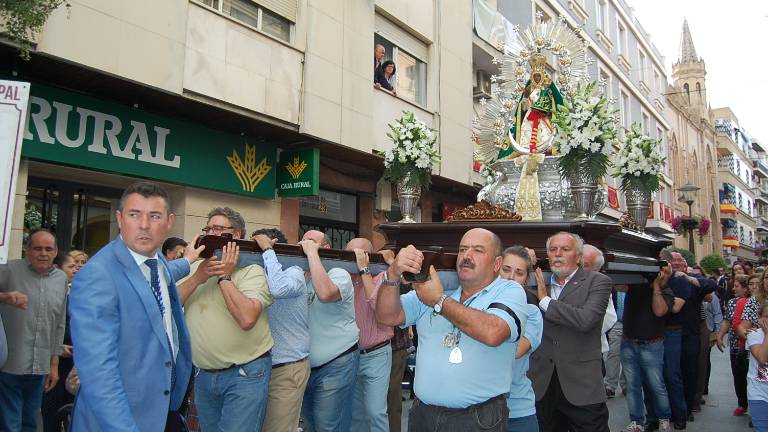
[{"x": 482, "y": 87}]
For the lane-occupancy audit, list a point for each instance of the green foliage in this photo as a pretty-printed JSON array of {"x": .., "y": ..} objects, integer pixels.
[
  {"x": 25, "y": 18},
  {"x": 712, "y": 262}
]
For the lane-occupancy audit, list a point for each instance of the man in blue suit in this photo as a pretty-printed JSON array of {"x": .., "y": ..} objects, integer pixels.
[{"x": 131, "y": 345}]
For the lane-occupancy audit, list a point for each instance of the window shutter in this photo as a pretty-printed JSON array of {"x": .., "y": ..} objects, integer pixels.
[
  {"x": 401, "y": 38},
  {"x": 285, "y": 8}
]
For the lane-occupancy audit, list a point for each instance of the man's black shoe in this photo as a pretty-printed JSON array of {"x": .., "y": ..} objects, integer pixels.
[
  {"x": 690, "y": 417},
  {"x": 679, "y": 425},
  {"x": 652, "y": 426}
]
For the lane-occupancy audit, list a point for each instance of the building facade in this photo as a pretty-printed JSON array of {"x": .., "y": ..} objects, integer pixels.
[
  {"x": 628, "y": 66},
  {"x": 692, "y": 146},
  {"x": 739, "y": 172},
  {"x": 205, "y": 95}
]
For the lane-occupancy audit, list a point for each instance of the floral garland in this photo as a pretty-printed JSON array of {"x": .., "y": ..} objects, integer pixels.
[
  {"x": 639, "y": 161},
  {"x": 586, "y": 133},
  {"x": 413, "y": 152}
]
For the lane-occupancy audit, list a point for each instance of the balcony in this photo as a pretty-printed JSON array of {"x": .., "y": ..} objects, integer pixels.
[{"x": 761, "y": 168}]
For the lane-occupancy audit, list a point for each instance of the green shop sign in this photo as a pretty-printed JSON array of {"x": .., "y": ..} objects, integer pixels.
[
  {"x": 299, "y": 173},
  {"x": 72, "y": 129}
]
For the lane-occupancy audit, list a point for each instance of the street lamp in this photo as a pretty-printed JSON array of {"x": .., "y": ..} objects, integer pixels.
[{"x": 689, "y": 191}]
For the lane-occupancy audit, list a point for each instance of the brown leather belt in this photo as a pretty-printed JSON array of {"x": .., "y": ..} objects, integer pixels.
[
  {"x": 375, "y": 347},
  {"x": 279, "y": 365},
  {"x": 645, "y": 341},
  {"x": 266, "y": 354}
]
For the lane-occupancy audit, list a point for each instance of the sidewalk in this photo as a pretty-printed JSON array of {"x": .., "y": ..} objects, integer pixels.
[{"x": 715, "y": 416}]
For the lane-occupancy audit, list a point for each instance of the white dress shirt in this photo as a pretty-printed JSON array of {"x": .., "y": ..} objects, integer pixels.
[{"x": 167, "y": 317}]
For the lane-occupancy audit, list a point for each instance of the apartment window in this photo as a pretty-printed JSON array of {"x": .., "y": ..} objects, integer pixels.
[
  {"x": 642, "y": 65},
  {"x": 622, "y": 40},
  {"x": 624, "y": 109},
  {"x": 256, "y": 16},
  {"x": 646, "y": 124},
  {"x": 602, "y": 14},
  {"x": 657, "y": 81},
  {"x": 409, "y": 54},
  {"x": 606, "y": 78}
]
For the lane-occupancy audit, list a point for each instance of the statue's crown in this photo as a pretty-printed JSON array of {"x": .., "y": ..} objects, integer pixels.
[{"x": 538, "y": 62}]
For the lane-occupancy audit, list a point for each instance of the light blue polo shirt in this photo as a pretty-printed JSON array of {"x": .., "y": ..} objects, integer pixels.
[
  {"x": 522, "y": 401},
  {"x": 485, "y": 371},
  {"x": 332, "y": 326}
]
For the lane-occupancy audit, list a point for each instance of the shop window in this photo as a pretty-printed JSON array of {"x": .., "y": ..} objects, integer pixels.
[
  {"x": 333, "y": 213},
  {"x": 254, "y": 15},
  {"x": 81, "y": 216}
]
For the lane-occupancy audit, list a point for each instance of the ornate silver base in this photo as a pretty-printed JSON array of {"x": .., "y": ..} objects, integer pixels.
[
  {"x": 556, "y": 201},
  {"x": 408, "y": 196},
  {"x": 638, "y": 202}
]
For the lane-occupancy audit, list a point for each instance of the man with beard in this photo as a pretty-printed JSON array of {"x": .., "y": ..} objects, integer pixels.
[{"x": 566, "y": 370}]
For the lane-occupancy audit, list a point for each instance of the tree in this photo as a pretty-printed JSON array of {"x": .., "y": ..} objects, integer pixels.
[
  {"x": 25, "y": 18},
  {"x": 712, "y": 262}
]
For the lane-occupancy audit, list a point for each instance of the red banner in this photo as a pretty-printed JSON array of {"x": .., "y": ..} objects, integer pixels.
[{"x": 613, "y": 198}]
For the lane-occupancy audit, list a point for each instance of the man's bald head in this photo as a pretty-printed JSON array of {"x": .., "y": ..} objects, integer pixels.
[{"x": 360, "y": 243}]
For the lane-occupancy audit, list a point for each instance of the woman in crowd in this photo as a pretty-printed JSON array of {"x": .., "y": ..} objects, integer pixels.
[
  {"x": 384, "y": 76},
  {"x": 739, "y": 357},
  {"x": 80, "y": 258},
  {"x": 757, "y": 378},
  {"x": 521, "y": 402}
]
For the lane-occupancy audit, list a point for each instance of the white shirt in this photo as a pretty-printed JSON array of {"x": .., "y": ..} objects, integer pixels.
[
  {"x": 554, "y": 290},
  {"x": 167, "y": 316}
]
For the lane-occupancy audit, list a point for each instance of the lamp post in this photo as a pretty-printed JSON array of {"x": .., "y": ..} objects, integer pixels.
[{"x": 689, "y": 191}]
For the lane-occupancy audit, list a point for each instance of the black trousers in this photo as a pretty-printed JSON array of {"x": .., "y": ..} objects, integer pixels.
[
  {"x": 490, "y": 415},
  {"x": 557, "y": 414},
  {"x": 739, "y": 368},
  {"x": 689, "y": 366}
]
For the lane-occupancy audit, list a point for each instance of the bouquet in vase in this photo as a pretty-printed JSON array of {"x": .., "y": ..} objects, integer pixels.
[
  {"x": 413, "y": 152},
  {"x": 639, "y": 162}
]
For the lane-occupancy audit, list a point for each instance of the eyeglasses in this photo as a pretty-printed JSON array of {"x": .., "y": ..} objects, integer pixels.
[{"x": 215, "y": 229}]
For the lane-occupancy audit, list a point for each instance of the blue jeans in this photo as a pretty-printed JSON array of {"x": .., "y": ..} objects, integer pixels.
[
  {"x": 234, "y": 399},
  {"x": 327, "y": 405},
  {"x": 523, "y": 424},
  {"x": 673, "y": 374},
  {"x": 643, "y": 364},
  {"x": 20, "y": 400},
  {"x": 369, "y": 408},
  {"x": 758, "y": 409}
]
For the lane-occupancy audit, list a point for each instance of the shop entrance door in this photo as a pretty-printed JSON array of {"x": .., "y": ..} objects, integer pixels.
[
  {"x": 334, "y": 213},
  {"x": 82, "y": 216}
]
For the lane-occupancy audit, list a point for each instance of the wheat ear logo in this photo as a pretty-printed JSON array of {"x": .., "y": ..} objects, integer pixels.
[
  {"x": 249, "y": 174},
  {"x": 295, "y": 168}
]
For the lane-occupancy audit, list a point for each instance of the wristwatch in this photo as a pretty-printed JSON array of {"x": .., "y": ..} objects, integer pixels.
[
  {"x": 439, "y": 305},
  {"x": 364, "y": 271},
  {"x": 392, "y": 283},
  {"x": 224, "y": 278}
]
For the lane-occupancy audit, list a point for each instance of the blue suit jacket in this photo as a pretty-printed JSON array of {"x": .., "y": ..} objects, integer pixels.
[{"x": 121, "y": 347}]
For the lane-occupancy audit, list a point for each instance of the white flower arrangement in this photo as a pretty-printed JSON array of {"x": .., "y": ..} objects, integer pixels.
[
  {"x": 586, "y": 133},
  {"x": 639, "y": 162},
  {"x": 413, "y": 152}
]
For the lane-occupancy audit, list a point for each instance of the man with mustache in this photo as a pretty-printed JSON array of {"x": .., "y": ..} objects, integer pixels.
[
  {"x": 566, "y": 370},
  {"x": 467, "y": 337}
]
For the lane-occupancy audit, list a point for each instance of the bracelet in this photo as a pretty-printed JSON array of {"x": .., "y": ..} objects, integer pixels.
[{"x": 224, "y": 278}]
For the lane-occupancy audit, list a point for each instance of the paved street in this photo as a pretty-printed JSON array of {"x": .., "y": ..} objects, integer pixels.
[{"x": 714, "y": 417}]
